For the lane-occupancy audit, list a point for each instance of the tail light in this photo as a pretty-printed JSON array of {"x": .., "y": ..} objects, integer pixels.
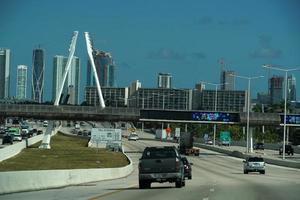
[{"x": 177, "y": 164}]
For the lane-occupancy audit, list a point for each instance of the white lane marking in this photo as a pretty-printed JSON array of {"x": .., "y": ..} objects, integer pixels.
[
  {"x": 205, "y": 198},
  {"x": 212, "y": 190}
]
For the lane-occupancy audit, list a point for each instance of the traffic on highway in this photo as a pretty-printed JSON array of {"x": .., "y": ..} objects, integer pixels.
[{"x": 161, "y": 172}]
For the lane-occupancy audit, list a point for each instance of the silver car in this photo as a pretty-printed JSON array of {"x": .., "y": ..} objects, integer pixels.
[
  {"x": 133, "y": 136},
  {"x": 254, "y": 164}
]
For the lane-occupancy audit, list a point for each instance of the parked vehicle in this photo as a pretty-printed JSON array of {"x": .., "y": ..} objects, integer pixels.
[
  {"x": 186, "y": 144},
  {"x": 225, "y": 138},
  {"x": 187, "y": 168},
  {"x": 161, "y": 164},
  {"x": 288, "y": 150},
  {"x": 259, "y": 146},
  {"x": 254, "y": 164},
  {"x": 7, "y": 139}
]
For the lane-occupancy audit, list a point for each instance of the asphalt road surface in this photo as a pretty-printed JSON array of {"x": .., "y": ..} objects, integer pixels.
[{"x": 215, "y": 176}]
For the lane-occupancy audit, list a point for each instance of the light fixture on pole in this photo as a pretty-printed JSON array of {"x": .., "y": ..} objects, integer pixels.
[
  {"x": 216, "y": 97},
  {"x": 285, "y": 99},
  {"x": 248, "y": 108}
]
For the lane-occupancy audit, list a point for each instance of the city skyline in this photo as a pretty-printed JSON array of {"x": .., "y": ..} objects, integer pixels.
[{"x": 187, "y": 41}]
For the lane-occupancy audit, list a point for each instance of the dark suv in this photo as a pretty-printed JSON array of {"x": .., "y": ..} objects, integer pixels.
[
  {"x": 7, "y": 139},
  {"x": 288, "y": 150},
  {"x": 187, "y": 168},
  {"x": 161, "y": 164},
  {"x": 259, "y": 146}
]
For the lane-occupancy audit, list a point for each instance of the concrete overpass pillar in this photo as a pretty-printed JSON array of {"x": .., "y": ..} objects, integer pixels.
[{"x": 142, "y": 126}]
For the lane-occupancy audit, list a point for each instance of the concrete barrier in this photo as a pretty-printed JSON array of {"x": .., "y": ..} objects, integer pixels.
[
  {"x": 14, "y": 149},
  {"x": 284, "y": 163},
  {"x": 20, "y": 181}
]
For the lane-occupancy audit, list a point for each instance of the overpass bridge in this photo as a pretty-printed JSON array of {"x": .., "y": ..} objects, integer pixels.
[{"x": 92, "y": 113}]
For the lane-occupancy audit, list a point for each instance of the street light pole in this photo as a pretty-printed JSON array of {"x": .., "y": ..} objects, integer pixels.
[
  {"x": 216, "y": 99},
  {"x": 215, "y": 126},
  {"x": 284, "y": 126},
  {"x": 248, "y": 116},
  {"x": 285, "y": 100},
  {"x": 248, "y": 109}
]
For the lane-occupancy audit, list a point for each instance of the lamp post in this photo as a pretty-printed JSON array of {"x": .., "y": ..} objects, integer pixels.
[
  {"x": 285, "y": 97},
  {"x": 248, "y": 108},
  {"x": 216, "y": 98}
]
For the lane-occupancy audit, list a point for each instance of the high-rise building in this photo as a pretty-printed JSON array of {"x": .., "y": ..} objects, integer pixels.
[
  {"x": 21, "y": 82},
  {"x": 113, "y": 96},
  {"x": 4, "y": 73},
  {"x": 276, "y": 89},
  {"x": 227, "y": 100},
  {"x": 263, "y": 98},
  {"x": 164, "y": 80},
  {"x": 135, "y": 86},
  {"x": 71, "y": 86},
  {"x": 38, "y": 69},
  {"x": 291, "y": 92},
  {"x": 105, "y": 68},
  {"x": 200, "y": 86},
  {"x": 227, "y": 80},
  {"x": 161, "y": 98}
]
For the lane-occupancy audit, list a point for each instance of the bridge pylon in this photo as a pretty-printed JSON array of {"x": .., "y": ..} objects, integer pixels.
[{"x": 68, "y": 65}]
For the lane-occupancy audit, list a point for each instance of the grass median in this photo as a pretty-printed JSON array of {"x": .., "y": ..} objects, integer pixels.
[{"x": 67, "y": 152}]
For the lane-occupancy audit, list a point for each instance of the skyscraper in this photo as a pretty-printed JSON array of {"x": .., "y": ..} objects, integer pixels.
[
  {"x": 135, "y": 86},
  {"x": 227, "y": 80},
  {"x": 105, "y": 69},
  {"x": 21, "y": 81},
  {"x": 164, "y": 80},
  {"x": 71, "y": 87},
  {"x": 291, "y": 92},
  {"x": 4, "y": 73},
  {"x": 276, "y": 89},
  {"x": 38, "y": 68}
]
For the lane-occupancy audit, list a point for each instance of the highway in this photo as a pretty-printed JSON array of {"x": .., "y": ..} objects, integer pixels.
[{"x": 215, "y": 176}]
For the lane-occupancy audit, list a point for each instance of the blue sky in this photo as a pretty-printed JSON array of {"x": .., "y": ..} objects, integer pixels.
[{"x": 184, "y": 38}]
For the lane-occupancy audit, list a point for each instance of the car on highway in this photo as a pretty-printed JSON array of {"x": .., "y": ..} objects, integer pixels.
[
  {"x": 259, "y": 146},
  {"x": 209, "y": 142},
  {"x": 7, "y": 139},
  {"x": 187, "y": 168},
  {"x": 45, "y": 123},
  {"x": 16, "y": 133},
  {"x": 289, "y": 150},
  {"x": 161, "y": 164},
  {"x": 254, "y": 164},
  {"x": 133, "y": 136}
]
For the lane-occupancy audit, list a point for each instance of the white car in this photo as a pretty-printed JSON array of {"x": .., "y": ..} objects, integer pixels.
[
  {"x": 254, "y": 164},
  {"x": 133, "y": 136}
]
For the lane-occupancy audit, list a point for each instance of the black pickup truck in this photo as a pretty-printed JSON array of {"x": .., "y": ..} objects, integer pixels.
[{"x": 161, "y": 164}]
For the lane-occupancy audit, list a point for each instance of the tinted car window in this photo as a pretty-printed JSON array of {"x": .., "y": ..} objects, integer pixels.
[
  {"x": 255, "y": 159},
  {"x": 158, "y": 153}
]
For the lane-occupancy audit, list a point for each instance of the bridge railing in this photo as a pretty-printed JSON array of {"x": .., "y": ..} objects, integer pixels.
[{"x": 37, "y": 108}]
